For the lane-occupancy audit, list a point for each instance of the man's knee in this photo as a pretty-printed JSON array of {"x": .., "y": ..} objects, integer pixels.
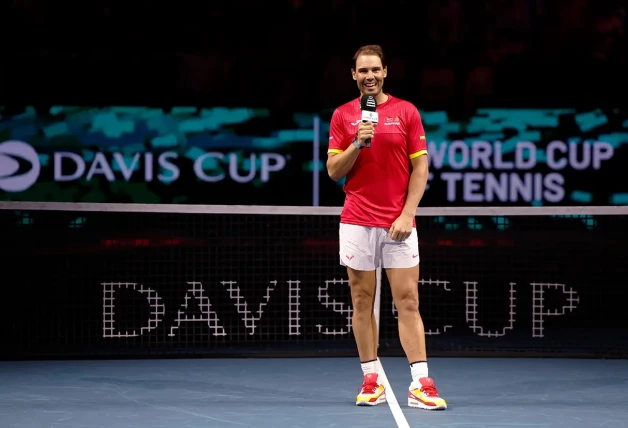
[
  {"x": 407, "y": 301},
  {"x": 362, "y": 285},
  {"x": 404, "y": 285}
]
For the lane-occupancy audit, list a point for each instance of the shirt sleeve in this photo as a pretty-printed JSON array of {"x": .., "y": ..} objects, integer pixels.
[
  {"x": 338, "y": 138},
  {"x": 417, "y": 144}
]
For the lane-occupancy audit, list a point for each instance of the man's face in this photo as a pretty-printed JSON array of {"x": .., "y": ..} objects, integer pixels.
[{"x": 369, "y": 74}]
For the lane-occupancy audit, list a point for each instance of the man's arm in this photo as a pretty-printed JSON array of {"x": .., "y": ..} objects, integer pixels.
[
  {"x": 339, "y": 164},
  {"x": 417, "y": 152},
  {"x": 416, "y": 187}
]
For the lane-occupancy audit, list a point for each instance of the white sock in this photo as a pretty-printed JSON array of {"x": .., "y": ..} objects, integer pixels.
[
  {"x": 418, "y": 370},
  {"x": 369, "y": 367}
]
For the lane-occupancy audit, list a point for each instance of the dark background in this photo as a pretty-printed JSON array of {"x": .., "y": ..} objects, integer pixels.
[{"x": 294, "y": 55}]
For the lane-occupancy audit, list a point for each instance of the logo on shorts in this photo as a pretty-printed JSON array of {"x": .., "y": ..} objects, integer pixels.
[
  {"x": 414, "y": 256},
  {"x": 349, "y": 257},
  {"x": 19, "y": 166}
]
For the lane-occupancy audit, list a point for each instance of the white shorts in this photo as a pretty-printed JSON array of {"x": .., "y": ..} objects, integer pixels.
[{"x": 366, "y": 248}]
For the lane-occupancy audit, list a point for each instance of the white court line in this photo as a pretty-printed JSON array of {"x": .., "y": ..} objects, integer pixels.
[{"x": 400, "y": 418}]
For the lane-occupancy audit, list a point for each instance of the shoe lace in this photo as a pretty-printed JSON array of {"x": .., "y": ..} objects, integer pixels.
[
  {"x": 429, "y": 390},
  {"x": 369, "y": 388}
]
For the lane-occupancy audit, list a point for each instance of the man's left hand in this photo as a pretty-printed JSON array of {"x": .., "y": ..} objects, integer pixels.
[{"x": 401, "y": 228}]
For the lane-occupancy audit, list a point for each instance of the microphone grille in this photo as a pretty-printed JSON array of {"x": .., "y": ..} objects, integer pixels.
[{"x": 368, "y": 102}]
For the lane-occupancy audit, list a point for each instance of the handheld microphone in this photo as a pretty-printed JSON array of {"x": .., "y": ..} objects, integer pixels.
[{"x": 368, "y": 106}]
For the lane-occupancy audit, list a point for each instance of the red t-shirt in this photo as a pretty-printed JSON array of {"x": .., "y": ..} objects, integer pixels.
[{"x": 377, "y": 185}]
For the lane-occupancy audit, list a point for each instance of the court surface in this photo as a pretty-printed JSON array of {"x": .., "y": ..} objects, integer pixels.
[{"x": 308, "y": 393}]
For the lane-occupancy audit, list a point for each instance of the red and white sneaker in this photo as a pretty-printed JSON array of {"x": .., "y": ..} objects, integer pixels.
[
  {"x": 425, "y": 396},
  {"x": 371, "y": 392}
]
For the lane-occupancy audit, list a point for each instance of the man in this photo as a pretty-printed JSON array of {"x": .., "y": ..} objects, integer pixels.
[{"x": 384, "y": 185}]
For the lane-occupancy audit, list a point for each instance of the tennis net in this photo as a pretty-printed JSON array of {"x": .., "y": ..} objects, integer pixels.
[{"x": 100, "y": 280}]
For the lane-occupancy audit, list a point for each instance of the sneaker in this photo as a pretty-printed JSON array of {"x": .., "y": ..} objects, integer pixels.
[
  {"x": 371, "y": 392},
  {"x": 425, "y": 396}
]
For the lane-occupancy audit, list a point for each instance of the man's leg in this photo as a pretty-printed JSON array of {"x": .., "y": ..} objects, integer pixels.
[
  {"x": 356, "y": 255},
  {"x": 374, "y": 328},
  {"x": 404, "y": 284},
  {"x": 362, "y": 285},
  {"x": 401, "y": 261}
]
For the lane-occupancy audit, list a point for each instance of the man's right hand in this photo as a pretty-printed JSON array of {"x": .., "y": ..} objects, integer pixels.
[{"x": 366, "y": 130}]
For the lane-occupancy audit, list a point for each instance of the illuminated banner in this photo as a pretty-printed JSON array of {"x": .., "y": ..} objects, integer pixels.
[
  {"x": 523, "y": 157},
  {"x": 144, "y": 155},
  {"x": 247, "y": 156},
  {"x": 528, "y": 156}
]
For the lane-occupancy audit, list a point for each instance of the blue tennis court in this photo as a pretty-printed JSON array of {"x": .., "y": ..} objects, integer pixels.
[{"x": 308, "y": 392}]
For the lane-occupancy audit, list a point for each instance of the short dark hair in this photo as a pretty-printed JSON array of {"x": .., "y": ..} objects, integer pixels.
[{"x": 369, "y": 50}]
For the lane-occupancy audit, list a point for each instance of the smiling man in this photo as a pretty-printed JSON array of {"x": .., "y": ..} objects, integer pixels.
[{"x": 384, "y": 185}]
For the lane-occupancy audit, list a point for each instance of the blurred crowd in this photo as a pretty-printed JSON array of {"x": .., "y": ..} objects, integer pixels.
[{"x": 295, "y": 54}]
